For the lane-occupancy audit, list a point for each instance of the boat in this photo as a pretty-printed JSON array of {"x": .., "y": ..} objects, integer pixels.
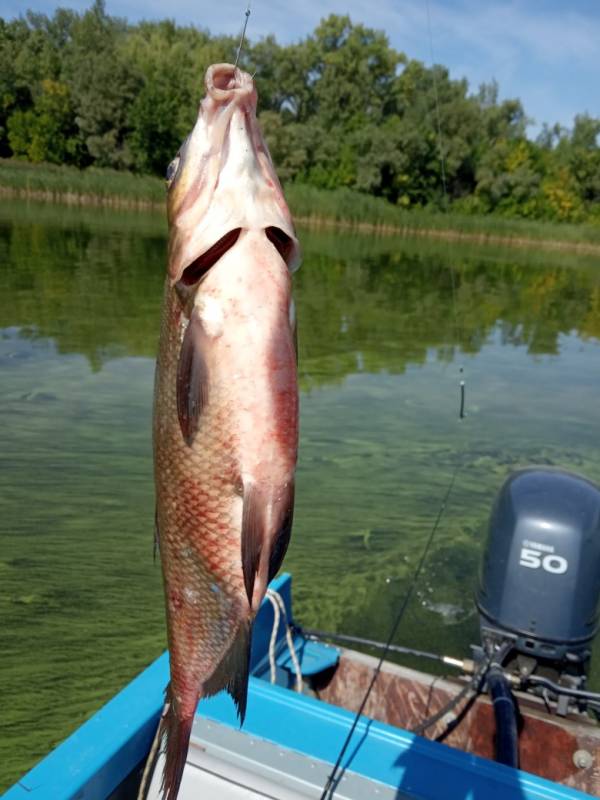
[{"x": 304, "y": 737}]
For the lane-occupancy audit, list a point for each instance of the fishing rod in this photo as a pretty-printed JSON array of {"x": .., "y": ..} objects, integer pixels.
[{"x": 332, "y": 780}]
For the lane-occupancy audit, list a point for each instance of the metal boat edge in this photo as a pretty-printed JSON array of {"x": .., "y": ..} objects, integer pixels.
[{"x": 107, "y": 750}]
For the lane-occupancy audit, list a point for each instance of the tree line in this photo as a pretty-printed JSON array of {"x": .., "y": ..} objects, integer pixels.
[{"x": 339, "y": 108}]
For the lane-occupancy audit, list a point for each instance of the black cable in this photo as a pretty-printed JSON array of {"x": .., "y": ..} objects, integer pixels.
[
  {"x": 582, "y": 694},
  {"x": 332, "y": 777},
  {"x": 427, "y": 723},
  {"x": 312, "y": 633},
  {"x": 474, "y": 686}
]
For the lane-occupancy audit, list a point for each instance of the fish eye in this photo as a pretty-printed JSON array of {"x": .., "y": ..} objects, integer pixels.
[{"x": 172, "y": 170}]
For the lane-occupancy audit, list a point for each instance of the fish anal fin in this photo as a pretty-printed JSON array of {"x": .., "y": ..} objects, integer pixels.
[
  {"x": 192, "y": 378},
  {"x": 252, "y": 537},
  {"x": 176, "y": 732},
  {"x": 281, "y": 539},
  {"x": 233, "y": 671}
]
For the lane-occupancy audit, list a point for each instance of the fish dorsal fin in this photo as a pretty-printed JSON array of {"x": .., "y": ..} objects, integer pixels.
[{"x": 192, "y": 378}]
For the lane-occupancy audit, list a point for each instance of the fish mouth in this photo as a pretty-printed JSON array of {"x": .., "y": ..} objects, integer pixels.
[
  {"x": 225, "y": 81},
  {"x": 225, "y": 183}
]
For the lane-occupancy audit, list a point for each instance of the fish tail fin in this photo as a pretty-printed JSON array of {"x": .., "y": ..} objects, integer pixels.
[
  {"x": 176, "y": 734},
  {"x": 231, "y": 675},
  {"x": 233, "y": 671}
]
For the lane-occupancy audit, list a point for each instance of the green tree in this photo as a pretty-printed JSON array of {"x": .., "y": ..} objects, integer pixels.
[
  {"x": 14, "y": 90},
  {"x": 340, "y": 108},
  {"x": 170, "y": 63},
  {"x": 352, "y": 73},
  {"x": 572, "y": 184},
  {"x": 103, "y": 85},
  {"x": 583, "y": 157},
  {"x": 509, "y": 178},
  {"x": 47, "y": 131}
]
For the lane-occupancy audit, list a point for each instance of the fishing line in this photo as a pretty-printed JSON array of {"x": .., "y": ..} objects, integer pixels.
[
  {"x": 242, "y": 37},
  {"x": 332, "y": 780},
  {"x": 437, "y": 106},
  {"x": 457, "y": 326}
]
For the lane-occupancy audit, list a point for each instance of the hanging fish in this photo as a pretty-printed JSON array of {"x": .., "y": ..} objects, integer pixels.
[{"x": 226, "y": 402}]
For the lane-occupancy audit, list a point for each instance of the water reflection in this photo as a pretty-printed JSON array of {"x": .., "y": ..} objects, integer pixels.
[
  {"x": 384, "y": 326},
  {"x": 365, "y": 304}
]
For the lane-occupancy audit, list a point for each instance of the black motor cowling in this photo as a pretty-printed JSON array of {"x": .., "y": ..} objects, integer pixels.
[{"x": 540, "y": 576}]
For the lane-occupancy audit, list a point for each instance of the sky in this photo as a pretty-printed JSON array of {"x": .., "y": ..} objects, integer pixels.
[{"x": 546, "y": 52}]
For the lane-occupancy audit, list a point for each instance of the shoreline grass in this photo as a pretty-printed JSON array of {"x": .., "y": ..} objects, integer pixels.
[{"x": 338, "y": 208}]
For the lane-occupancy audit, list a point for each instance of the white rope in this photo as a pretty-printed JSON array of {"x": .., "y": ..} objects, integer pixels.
[
  {"x": 152, "y": 758},
  {"x": 273, "y": 640},
  {"x": 278, "y": 609}
]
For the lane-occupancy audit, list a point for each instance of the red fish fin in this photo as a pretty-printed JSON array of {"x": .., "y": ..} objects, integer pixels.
[
  {"x": 192, "y": 379},
  {"x": 176, "y": 733},
  {"x": 252, "y": 537},
  {"x": 281, "y": 539},
  {"x": 232, "y": 673}
]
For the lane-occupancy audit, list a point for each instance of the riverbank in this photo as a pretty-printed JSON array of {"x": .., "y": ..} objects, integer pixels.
[{"x": 339, "y": 208}]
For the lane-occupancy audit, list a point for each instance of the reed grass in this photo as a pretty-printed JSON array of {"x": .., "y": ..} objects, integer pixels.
[
  {"x": 313, "y": 206},
  {"x": 357, "y": 209},
  {"x": 92, "y": 186}
]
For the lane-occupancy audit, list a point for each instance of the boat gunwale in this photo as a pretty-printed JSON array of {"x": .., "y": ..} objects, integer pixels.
[{"x": 100, "y": 754}]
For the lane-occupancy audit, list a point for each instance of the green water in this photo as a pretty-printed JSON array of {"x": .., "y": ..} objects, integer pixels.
[{"x": 381, "y": 345}]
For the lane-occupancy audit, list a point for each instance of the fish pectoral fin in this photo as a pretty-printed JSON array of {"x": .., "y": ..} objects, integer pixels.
[
  {"x": 252, "y": 537},
  {"x": 192, "y": 378},
  {"x": 233, "y": 671},
  {"x": 255, "y": 536},
  {"x": 281, "y": 540}
]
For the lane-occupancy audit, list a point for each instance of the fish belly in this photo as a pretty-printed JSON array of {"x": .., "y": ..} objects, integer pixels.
[{"x": 225, "y": 495}]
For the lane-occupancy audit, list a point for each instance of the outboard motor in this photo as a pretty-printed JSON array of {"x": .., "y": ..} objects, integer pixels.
[
  {"x": 540, "y": 577},
  {"x": 540, "y": 580}
]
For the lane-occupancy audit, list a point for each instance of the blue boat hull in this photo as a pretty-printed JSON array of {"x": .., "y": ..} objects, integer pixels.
[{"x": 99, "y": 756}]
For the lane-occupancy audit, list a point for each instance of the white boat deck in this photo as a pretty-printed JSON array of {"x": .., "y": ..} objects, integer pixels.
[{"x": 226, "y": 764}]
